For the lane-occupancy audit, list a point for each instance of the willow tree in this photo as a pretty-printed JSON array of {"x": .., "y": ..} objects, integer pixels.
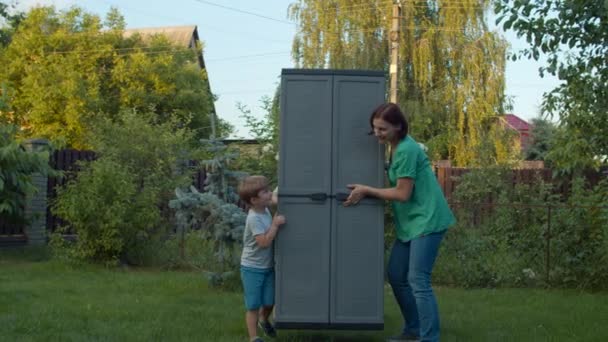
[{"x": 451, "y": 67}]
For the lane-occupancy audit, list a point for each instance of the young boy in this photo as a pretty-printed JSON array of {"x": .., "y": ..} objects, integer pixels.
[{"x": 257, "y": 260}]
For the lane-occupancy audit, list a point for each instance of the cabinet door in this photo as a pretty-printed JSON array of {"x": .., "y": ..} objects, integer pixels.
[
  {"x": 357, "y": 239},
  {"x": 302, "y": 247},
  {"x": 302, "y": 264}
]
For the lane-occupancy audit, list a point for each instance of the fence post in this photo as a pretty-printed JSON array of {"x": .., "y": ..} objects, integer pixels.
[
  {"x": 35, "y": 207},
  {"x": 548, "y": 251}
]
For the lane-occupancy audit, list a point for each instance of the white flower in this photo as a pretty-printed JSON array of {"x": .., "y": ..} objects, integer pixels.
[
  {"x": 276, "y": 157},
  {"x": 528, "y": 272},
  {"x": 267, "y": 148}
]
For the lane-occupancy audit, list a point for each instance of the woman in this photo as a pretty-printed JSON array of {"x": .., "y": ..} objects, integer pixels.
[{"x": 421, "y": 217}]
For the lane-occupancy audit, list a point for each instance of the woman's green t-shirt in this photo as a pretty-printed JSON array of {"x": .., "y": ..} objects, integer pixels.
[{"x": 426, "y": 211}]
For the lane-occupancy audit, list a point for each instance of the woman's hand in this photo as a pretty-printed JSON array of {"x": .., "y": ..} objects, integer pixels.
[{"x": 358, "y": 192}]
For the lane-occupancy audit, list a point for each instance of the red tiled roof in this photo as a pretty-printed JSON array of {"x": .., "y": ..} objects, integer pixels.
[{"x": 516, "y": 122}]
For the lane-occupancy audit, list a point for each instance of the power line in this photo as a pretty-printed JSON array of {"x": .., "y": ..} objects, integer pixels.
[
  {"x": 246, "y": 56},
  {"x": 251, "y": 91},
  {"x": 207, "y": 27},
  {"x": 384, "y": 30},
  {"x": 245, "y": 12},
  {"x": 165, "y": 50},
  {"x": 410, "y": 4}
]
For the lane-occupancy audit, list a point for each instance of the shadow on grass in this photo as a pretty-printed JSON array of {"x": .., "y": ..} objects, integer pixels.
[
  {"x": 322, "y": 336},
  {"x": 25, "y": 254}
]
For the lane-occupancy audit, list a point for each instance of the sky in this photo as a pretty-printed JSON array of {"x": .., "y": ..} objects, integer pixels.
[{"x": 244, "y": 53}]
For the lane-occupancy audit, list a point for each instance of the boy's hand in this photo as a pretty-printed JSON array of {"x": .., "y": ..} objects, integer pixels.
[
  {"x": 278, "y": 220},
  {"x": 275, "y": 198}
]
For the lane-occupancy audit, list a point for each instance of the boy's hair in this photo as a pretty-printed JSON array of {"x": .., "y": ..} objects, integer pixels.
[{"x": 251, "y": 186}]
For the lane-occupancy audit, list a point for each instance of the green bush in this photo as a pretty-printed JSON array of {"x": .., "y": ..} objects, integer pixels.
[
  {"x": 530, "y": 237},
  {"x": 107, "y": 211},
  {"x": 579, "y": 237},
  {"x": 264, "y": 159},
  {"x": 212, "y": 219},
  {"x": 118, "y": 204},
  {"x": 16, "y": 168},
  {"x": 196, "y": 251}
]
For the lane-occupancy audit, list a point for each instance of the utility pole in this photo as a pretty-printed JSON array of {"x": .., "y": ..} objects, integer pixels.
[
  {"x": 394, "y": 50},
  {"x": 213, "y": 133}
]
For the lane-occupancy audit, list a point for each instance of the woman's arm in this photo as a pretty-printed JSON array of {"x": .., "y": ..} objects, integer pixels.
[{"x": 401, "y": 192}]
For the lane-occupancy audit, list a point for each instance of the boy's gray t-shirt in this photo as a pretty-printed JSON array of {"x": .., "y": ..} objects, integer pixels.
[{"x": 254, "y": 255}]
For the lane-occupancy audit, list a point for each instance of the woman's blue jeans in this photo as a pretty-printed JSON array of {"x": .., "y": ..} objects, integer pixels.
[{"x": 409, "y": 273}]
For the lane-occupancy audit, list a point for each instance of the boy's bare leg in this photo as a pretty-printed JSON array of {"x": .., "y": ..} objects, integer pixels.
[
  {"x": 265, "y": 312},
  {"x": 251, "y": 318}
]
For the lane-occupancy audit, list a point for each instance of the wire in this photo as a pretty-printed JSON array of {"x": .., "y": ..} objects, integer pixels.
[
  {"x": 245, "y": 12},
  {"x": 247, "y": 56},
  {"x": 246, "y": 91},
  {"x": 165, "y": 50},
  {"x": 412, "y": 4},
  {"x": 207, "y": 27},
  {"x": 386, "y": 30}
]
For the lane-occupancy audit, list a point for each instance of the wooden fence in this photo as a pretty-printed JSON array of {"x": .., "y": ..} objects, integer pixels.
[
  {"x": 64, "y": 160},
  {"x": 449, "y": 178},
  {"x": 12, "y": 232},
  {"x": 67, "y": 161}
]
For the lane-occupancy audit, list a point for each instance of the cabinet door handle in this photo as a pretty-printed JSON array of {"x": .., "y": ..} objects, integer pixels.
[
  {"x": 342, "y": 196},
  {"x": 317, "y": 196}
]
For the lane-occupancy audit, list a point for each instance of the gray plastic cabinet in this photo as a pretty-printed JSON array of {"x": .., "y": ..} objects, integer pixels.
[{"x": 329, "y": 258}]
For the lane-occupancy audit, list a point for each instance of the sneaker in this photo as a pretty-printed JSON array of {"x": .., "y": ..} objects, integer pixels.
[
  {"x": 268, "y": 328},
  {"x": 404, "y": 338},
  {"x": 257, "y": 339}
]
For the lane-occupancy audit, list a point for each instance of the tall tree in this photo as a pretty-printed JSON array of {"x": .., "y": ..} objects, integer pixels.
[
  {"x": 8, "y": 22},
  {"x": 573, "y": 35},
  {"x": 451, "y": 74},
  {"x": 541, "y": 139},
  {"x": 263, "y": 159},
  {"x": 63, "y": 68}
]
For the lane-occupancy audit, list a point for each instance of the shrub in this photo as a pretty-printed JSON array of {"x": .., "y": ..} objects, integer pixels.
[
  {"x": 212, "y": 219},
  {"x": 529, "y": 237},
  {"x": 107, "y": 211},
  {"x": 16, "y": 167},
  {"x": 118, "y": 203}
]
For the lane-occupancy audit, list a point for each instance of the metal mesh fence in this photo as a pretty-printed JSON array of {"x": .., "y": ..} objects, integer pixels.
[{"x": 506, "y": 244}]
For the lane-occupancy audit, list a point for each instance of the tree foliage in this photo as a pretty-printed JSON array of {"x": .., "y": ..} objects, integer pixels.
[
  {"x": 8, "y": 22},
  {"x": 451, "y": 67},
  {"x": 573, "y": 35},
  {"x": 118, "y": 203},
  {"x": 213, "y": 217},
  {"x": 262, "y": 160},
  {"x": 16, "y": 168},
  {"x": 64, "y": 68},
  {"x": 507, "y": 245},
  {"x": 541, "y": 139}
]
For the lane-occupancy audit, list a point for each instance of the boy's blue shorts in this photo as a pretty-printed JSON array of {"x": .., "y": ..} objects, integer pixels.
[{"x": 258, "y": 285}]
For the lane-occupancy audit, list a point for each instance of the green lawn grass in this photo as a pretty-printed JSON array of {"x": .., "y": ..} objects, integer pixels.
[{"x": 44, "y": 300}]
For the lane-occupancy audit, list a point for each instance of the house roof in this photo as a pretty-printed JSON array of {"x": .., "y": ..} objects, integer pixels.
[
  {"x": 516, "y": 122},
  {"x": 183, "y": 36}
]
